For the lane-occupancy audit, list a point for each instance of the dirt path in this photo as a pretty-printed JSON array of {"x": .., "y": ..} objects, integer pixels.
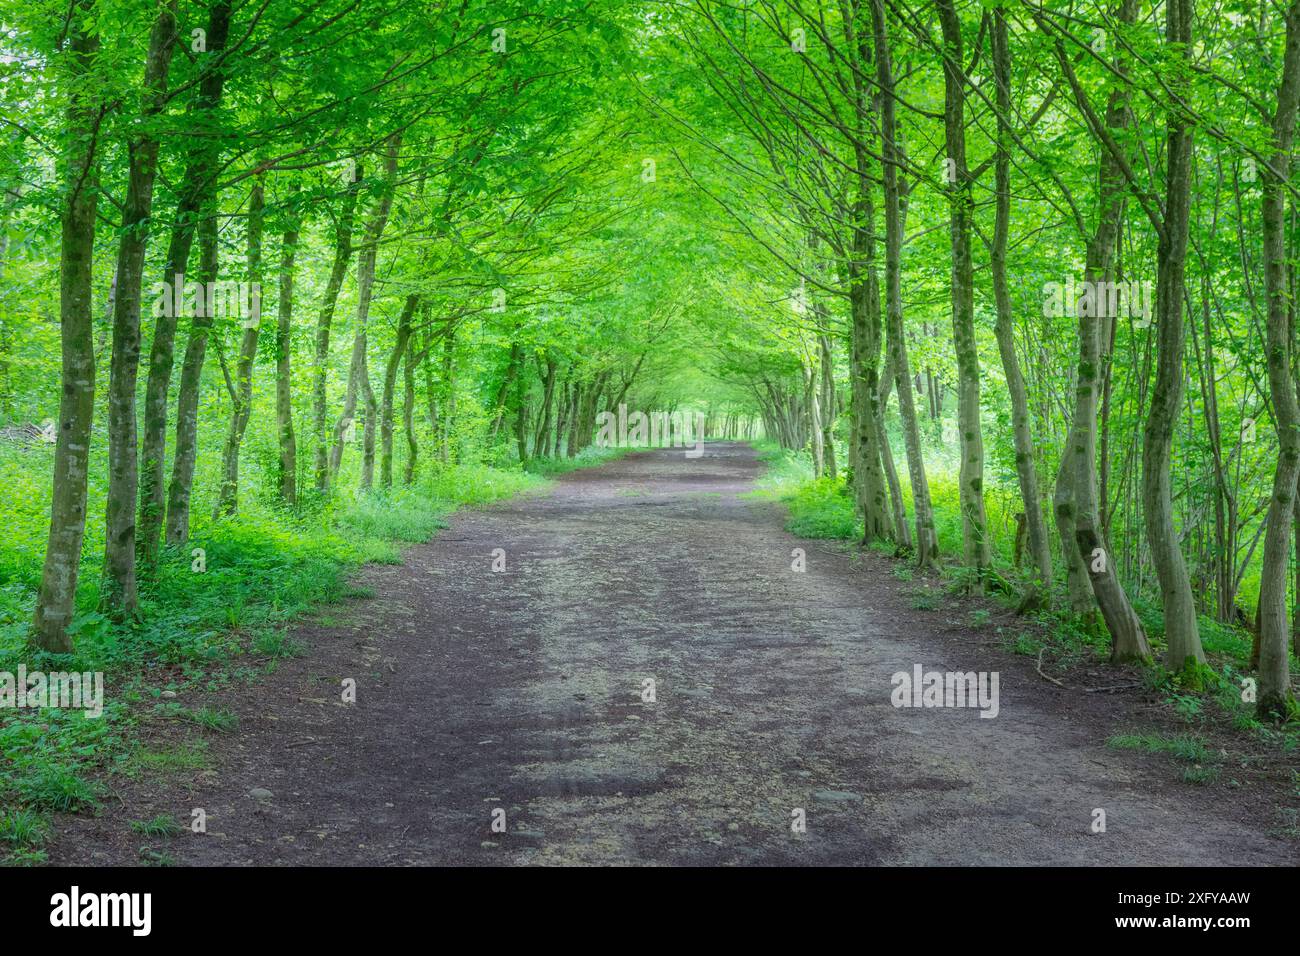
[{"x": 522, "y": 690}]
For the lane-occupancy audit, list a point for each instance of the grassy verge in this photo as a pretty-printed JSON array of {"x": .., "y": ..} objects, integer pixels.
[
  {"x": 824, "y": 508},
  {"x": 588, "y": 457},
  {"x": 217, "y": 610}
]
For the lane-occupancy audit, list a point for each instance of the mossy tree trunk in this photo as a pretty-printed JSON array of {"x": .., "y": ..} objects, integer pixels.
[
  {"x": 118, "y": 597},
  {"x": 193, "y": 194},
  {"x": 974, "y": 530},
  {"x": 56, "y": 600},
  {"x": 1274, "y": 666},
  {"x": 927, "y": 541}
]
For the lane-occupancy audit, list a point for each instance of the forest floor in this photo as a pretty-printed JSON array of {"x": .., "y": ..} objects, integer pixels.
[{"x": 521, "y": 690}]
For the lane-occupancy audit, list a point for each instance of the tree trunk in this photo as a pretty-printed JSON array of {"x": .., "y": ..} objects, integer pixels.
[
  {"x": 449, "y": 391},
  {"x": 288, "y": 445},
  {"x": 1026, "y": 469},
  {"x": 974, "y": 531},
  {"x": 927, "y": 541},
  {"x": 1128, "y": 639},
  {"x": 242, "y": 393},
  {"x": 197, "y": 181},
  {"x": 320, "y": 365},
  {"x": 902, "y": 533},
  {"x": 400, "y": 349},
  {"x": 56, "y": 601},
  {"x": 828, "y": 400},
  {"x": 118, "y": 597},
  {"x": 358, "y": 369},
  {"x": 1181, "y": 633},
  {"x": 408, "y": 413},
  {"x": 1274, "y": 666},
  {"x": 542, "y": 440},
  {"x": 187, "y": 396},
  {"x": 503, "y": 393}
]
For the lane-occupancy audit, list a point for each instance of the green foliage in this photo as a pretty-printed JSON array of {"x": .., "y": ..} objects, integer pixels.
[
  {"x": 160, "y": 826},
  {"x": 264, "y": 569},
  {"x": 820, "y": 509},
  {"x": 1181, "y": 746},
  {"x": 23, "y": 828}
]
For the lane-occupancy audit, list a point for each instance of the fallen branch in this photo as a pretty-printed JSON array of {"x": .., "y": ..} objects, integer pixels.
[{"x": 1039, "y": 668}]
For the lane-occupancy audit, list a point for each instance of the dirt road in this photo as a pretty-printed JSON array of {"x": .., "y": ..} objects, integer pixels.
[{"x": 519, "y": 695}]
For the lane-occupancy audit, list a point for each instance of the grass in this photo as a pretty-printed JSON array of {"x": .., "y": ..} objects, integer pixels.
[
  {"x": 226, "y": 597},
  {"x": 818, "y": 508},
  {"x": 1204, "y": 766},
  {"x": 551, "y": 467},
  {"x": 221, "y": 721},
  {"x": 187, "y": 756},
  {"x": 1180, "y": 746},
  {"x": 23, "y": 828},
  {"x": 923, "y": 599},
  {"x": 160, "y": 826}
]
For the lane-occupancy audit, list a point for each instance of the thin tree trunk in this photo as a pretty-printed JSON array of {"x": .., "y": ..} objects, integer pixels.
[
  {"x": 196, "y": 183},
  {"x": 1026, "y": 468},
  {"x": 542, "y": 440},
  {"x": 320, "y": 365},
  {"x": 242, "y": 393},
  {"x": 1181, "y": 633},
  {"x": 408, "y": 413},
  {"x": 288, "y": 445},
  {"x": 187, "y": 395},
  {"x": 358, "y": 369},
  {"x": 1128, "y": 639},
  {"x": 828, "y": 402},
  {"x": 503, "y": 392},
  {"x": 561, "y": 416},
  {"x": 449, "y": 386},
  {"x": 975, "y": 543},
  {"x": 927, "y": 541},
  {"x": 118, "y": 597},
  {"x": 902, "y": 533},
  {"x": 400, "y": 348}
]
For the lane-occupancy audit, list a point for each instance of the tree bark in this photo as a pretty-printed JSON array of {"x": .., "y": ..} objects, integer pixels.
[
  {"x": 118, "y": 598},
  {"x": 1022, "y": 437},
  {"x": 1181, "y": 632},
  {"x": 974, "y": 531},
  {"x": 288, "y": 444},
  {"x": 927, "y": 541},
  {"x": 400, "y": 348},
  {"x": 187, "y": 396},
  {"x": 242, "y": 394},
  {"x": 56, "y": 600},
  {"x": 1271, "y": 624},
  {"x": 196, "y": 183}
]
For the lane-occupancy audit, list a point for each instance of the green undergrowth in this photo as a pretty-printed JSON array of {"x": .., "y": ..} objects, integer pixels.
[
  {"x": 551, "y": 467},
  {"x": 818, "y": 507},
  {"x": 216, "y": 611},
  {"x": 824, "y": 508}
]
